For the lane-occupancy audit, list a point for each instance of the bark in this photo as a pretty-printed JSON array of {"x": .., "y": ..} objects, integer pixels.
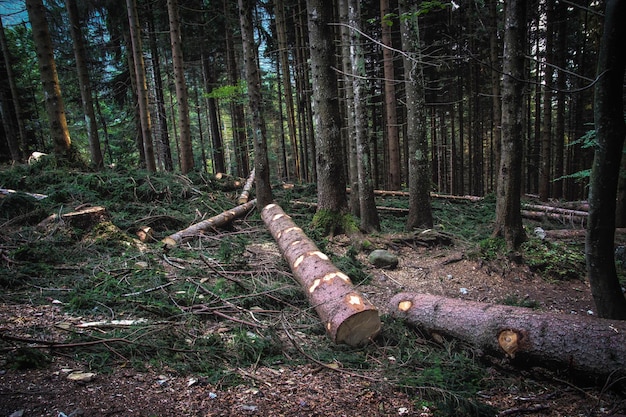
[
  {"x": 84, "y": 219},
  {"x": 253, "y": 78},
  {"x": 560, "y": 210},
  {"x": 186, "y": 150},
  {"x": 496, "y": 102},
  {"x": 562, "y": 217},
  {"x": 214, "y": 222},
  {"x": 370, "y": 221},
  {"x": 347, "y": 316},
  {"x": 49, "y": 78},
  {"x": 583, "y": 345},
  {"x": 508, "y": 205},
  {"x": 331, "y": 181},
  {"x": 420, "y": 211},
  {"x": 610, "y": 131},
  {"x": 85, "y": 84},
  {"x": 219, "y": 164},
  {"x": 394, "y": 178},
  {"x": 16, "y": 143},
  {"x": 545, "y": 163},
  {"x": 141, "y": 85}
]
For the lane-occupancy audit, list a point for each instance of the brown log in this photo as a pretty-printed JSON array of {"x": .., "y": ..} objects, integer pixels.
[
  {"x": 582, "y": 344},
  {"x": 220, "y": 220},
  {"x": 552, "y": 209},
  {"x": 398, "y": 210},
  {"x": 245, "y": 193},
  {"x": 575, "y": 233},
  {"x": 227, "y": 182},
  {"x": 7, "y": 191},
  {"x": 388, "y": 193},
  {"x": 84, "y": 219},
  {"x": 347, "y": 316},
  {"x": 540, "y": 215}
]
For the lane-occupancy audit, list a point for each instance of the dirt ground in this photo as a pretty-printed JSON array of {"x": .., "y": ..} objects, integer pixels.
[{"x": 310, "y": 390}]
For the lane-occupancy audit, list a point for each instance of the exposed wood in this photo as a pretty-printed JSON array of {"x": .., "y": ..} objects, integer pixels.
[
  {"x": 398, "y": 210},
  {"x": 220, "y": 220},
  {"x": 579, "y": 344},
  {"x": 552, "y": 209},
  {"x": 245, "y": 193},
  {"x": 228, "y": 182},
  {"x": 347, "y": 316},
  {"x": 84, "y": 219},
  {"x": 387, "y": 193},
  {"x": 145, "y": 234},
  {"x": 574, "y": 233}
]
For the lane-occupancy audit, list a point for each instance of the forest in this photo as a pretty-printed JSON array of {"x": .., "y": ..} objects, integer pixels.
[{"x": 231, "y": 208}]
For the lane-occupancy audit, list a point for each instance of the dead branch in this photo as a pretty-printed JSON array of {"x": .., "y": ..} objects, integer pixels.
[{"x": 245, "y": 193}]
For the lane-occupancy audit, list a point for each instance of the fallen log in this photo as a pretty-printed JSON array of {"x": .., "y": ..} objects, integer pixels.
[
  {"x": 540, "y": 215},
  {"x": 347, "y": 316},
  {"x": 397, "y": 210},
  {"x": 7, "y": 191},
  {"x": 583, "y": 345},
  {"x": 220, "y": 220},
  {"x": 575, "y": 233},
  {"x": 245, "y": 193},
  {"x": 227, "y": 182},
  {"x": 552, "y": 209},
  {"x": 85, "y": 218},
  {"x": 389, "y": 193}
]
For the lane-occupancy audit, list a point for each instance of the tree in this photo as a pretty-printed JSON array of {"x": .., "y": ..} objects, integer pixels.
[
  {"x": 508, "y": 221},
  {"x": 186, "y": 151},
  {"x": 394, "y": 179},
  {"x": 141, "y": 85},
  {"x": 49, "y": 78},
  {"x": 420, "y": 211},
  {"x": 84, "y": 83},
  {"x": 367, "y": 206},
  {"x": 545, "y": 162},
  {"x": 15, "y": 143},
  {"x": 331, "y": 180},
  {"x": 610, "y": 132},
  {"x": 253, "y": 78}
]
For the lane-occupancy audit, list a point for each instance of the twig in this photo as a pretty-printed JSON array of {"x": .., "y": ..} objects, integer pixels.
[
  {"x": 160, "y": 287},
  {"x": 520, "y": 410},
  {"x": 56, "y": 345},
  {"x": 234, "y": 280}
]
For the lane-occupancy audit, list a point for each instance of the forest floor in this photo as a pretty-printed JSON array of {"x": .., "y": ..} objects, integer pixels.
[{"x": 306, "y": 375}]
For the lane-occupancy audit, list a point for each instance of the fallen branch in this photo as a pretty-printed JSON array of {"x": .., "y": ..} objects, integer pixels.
[
  {"x": 6, "y": 191},
  {"x": 245, "y": 193},
  {"x": 347, "y": 316},
  {"x": 388, "y": 193},
  {"x": 220, "y": 220},
  {"x": 540, "y": 215}
]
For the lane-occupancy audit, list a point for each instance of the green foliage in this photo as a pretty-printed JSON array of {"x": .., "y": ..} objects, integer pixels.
[
  {"x": 28, "y": 358},
  {"x": 515, "y": 301},
  {"x": 492, "y": 248},
  {"x": 351, "y": 266},
  {"x": 326, "y": 222},
  {"x": 554, "y": 260}
]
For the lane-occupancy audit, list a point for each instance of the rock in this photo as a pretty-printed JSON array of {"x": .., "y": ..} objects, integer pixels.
[{"x": 381, "y": 258}]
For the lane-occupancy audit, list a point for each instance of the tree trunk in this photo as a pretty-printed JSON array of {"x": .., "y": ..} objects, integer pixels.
[
  {"x": 186, "y": 150},
  {"x": 85, "y": 84},
  {"x": 245, "y": 192},
  {"x": 610, "y": 132},
  {"x": 198, "y": 229},
  {"x": 16, "y": 142},
  {"x": 420, "y": 211},
  {"x": 579, "y": 344},
  {"x": 331, "y": 182},
  {"x": 496, "y": 102},
  {"x": 49, "y": 78},
  {"x": 367, "y": 206},
  {"x": 508, "y": 205},
  {"x": 394, "y": 178},
  {"x": 261, "y": 163},
  {"x": 545, "y": 164},
  {"x": 141, "y": 85},
  {"x": 347, "y": 316}
]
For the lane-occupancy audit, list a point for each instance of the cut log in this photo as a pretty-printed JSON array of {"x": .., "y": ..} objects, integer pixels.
[
  {"x": 560, "y": 210},
  {"x": 583, "y": 345},
  {"x": 347, "y": 316},
  {"x": 227, "y": 182},
  {"x": 245, "y": 193},
  {"x": 83, "y": 219},
  {"x": 396, "y": 210},
  {"x": 7, "y": 191},
  {"x": 388, "y": 193},
  {"x": 575, "y": 233},
  {"x": 220, "y": 220},
  {"x": 567, "y": 218}
]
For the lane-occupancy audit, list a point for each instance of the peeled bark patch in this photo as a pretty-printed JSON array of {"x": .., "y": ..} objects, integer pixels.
[
  {"x": 347, "y": 316},
  {"x": 583, "y": 344}
]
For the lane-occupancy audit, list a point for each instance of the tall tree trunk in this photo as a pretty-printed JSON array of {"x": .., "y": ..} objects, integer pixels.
[
  {"x": 85, "y": 84},
  {"x": 394, "y": 178},
  {"x": 331, "y": 182},
  {"x": 545, "y": 164},
  {"x": 164, "y": 149},
  {"x": 368, "y": 213},
  {"x": 16, "y": 142},
  {"x": 261, "y": 163},
  {"x": 610, "y": 132},
  {"x": 420, "y": 211},
  {"x": 281, "y": 30},
  {"x": 219, "y": 163},
  {"x": 508, "y": 205},
  {"x": 141, "y": 85},
  {"x": 49, "y": 78},
  {"x": 240, "y": 143},
  {"x": 186, "y": 150},
  {"x": 559, "y": 130}
]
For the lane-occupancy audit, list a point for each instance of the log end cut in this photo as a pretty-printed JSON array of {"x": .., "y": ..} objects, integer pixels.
[{"x": 359, "y": 329}]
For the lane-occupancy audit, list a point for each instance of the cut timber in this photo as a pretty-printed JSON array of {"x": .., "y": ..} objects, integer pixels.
[
  {"x": 227, "y": 182},
  {"x": 575, "y": 233},
  {"x": 387, "y": 193},
  {"x": 560, "y": 210},
  {"x": 582, "y": 344},
  {"x": 6, "y": 191},
  {"x": 347, "y": 316},
  {"x": 540, "y": 215},
  {"x": 220, "y": 220},
  {"x": 84, "y": 219},
  {"x": 245, "y": 193}
]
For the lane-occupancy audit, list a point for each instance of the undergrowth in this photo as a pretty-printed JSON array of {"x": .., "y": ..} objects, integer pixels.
[{"x": 212, "y": 305}]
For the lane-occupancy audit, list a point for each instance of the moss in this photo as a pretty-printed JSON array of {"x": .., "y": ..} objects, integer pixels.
[{"x": 329, "y": 223}]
